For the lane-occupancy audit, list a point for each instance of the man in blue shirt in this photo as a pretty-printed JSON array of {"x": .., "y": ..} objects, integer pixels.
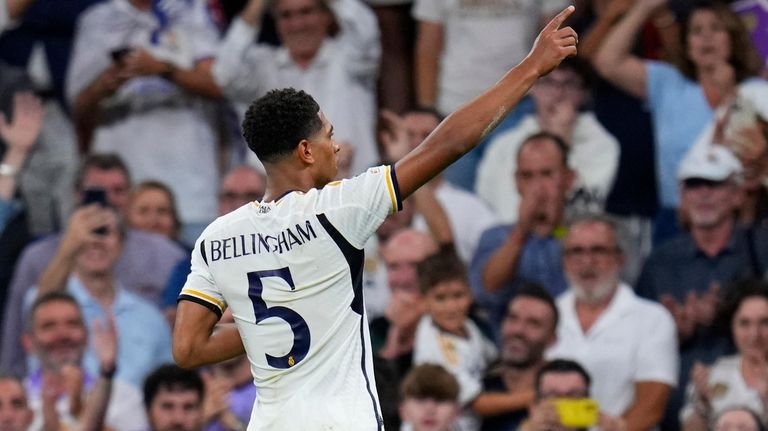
[{"x": 529, "y": 251}]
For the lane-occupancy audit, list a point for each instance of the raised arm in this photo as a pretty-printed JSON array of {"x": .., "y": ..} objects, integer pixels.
[
  {"x": 464, "y": 129},
  {"x": 614, "y": 61},
  {"x": 237, "y": 82}
]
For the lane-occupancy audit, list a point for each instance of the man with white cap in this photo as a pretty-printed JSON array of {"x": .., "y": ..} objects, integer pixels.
[{"x": 688, "y": 273}]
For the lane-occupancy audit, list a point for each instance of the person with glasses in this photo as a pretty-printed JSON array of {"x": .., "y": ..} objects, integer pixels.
[
  {"x": 560, "y": 100},
  {"x": 628, "y": 344},
  {"x": 562, "y": 379},
  {"x": 687, "y": 273}
]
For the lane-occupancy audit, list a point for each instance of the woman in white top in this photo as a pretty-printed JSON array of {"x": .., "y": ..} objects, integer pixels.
[{"x": 739, "y": 380}]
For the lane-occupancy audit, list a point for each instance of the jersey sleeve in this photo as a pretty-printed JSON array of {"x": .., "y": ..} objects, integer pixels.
[
  {"x": 356, "y": 207},
  {"x": 200, "y": 287}
]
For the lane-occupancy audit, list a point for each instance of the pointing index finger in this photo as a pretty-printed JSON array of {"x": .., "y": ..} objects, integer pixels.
[{"x": 558, "y": 20}]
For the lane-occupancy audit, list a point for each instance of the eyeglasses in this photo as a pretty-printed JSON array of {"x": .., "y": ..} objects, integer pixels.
[
  {"x": 595, "y": 250},
  {"x": 695, "y": 183}
]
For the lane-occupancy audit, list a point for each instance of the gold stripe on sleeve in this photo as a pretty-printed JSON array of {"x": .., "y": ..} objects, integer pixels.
[
  {"x": 205, "y": 297},
  {"x": 391, "y": 189}
]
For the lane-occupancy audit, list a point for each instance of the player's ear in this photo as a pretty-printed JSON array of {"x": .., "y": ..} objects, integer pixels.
[{"x": 304, "y": 152}]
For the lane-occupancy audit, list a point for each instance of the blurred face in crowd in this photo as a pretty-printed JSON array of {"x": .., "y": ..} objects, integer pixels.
[
  {"x": 448, "y": 303},
  {"x": 707, "y": 204},
  {"x": 151, "y": 209},
  {"x": 541, "y": 175},
  {"x": 736, "y": 420},
  {"x": 750, "y": 328},
  {"x": 592, "y": 261},
  {"x": 560, "y": 86},
  {"x": 302, "y": 25},
  {"x": 344, "y": 159},
  {"x": 113, "y": 181},
  {"x": 242, "y": 185},
  {"x": 566, "y": 384},
  {"x": 98, "y": 255},
  {"x": 527, "y": 330},
  {"x": 404, "y": 250},
  {"x": 708, "y": 41},
  {"x": 57, "y": 336},
  {"x": 176, "y": 410},
  {"x": 419, "y": 125},
  {"x": 429, "y": 414},
  {"x": 15, "y": 414}
]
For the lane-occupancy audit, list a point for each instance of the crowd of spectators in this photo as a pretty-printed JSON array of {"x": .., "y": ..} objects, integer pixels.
[{"x": 608, "y": 240}]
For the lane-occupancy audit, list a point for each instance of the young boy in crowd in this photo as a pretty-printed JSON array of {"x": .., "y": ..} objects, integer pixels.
[
  {"x": 446, "y": 335},
  {"x": 430, "y": 399}
]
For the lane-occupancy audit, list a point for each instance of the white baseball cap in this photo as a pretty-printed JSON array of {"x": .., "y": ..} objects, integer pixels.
[{"x": 713, "y": 162}]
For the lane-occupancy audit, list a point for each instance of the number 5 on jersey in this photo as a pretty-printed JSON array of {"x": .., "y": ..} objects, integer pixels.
[{"x": 299, "y": 326}]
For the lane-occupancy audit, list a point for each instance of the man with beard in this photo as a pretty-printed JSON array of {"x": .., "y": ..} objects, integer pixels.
[
  {"x": 89, "y": 275},
  {"x": 527, "y": 330},
  {"x": 173, "y": 398},
  {"x": 528, "y": 251},
  {"x": 687, "y": 273},
  {"x": 627, "y": 344},
  {"x": 57, "y": 337}
]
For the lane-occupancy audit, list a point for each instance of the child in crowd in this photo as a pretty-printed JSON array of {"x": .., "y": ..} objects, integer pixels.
[
  {"x": 446, "y": 336},
  {"x": 430, "y": 399}
]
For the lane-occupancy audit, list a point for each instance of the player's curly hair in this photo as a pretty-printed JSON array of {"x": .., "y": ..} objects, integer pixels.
[{"x": 275, "y": 123}]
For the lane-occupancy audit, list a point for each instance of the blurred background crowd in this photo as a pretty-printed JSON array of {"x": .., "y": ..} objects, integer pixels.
[{"x": 608, "y": 240}]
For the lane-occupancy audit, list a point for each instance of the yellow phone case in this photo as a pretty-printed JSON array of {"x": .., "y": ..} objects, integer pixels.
[{"x": 577, "y": 412}]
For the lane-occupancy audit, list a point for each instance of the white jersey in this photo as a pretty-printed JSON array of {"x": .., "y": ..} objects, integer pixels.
[{"x": 291, "y": 272}]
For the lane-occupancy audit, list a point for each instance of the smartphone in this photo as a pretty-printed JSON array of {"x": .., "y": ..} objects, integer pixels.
[
  {"x": 118, "y": 54},
  {"x": 743, "y": 114},
  {"x": 577, "y": 412},
  {"x": 96, "y": 196}
]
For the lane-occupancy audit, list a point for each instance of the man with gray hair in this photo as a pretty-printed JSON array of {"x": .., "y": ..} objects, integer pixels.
[
  {"x": 687, "y": 273},
  {"x": 626, "y": 343}
]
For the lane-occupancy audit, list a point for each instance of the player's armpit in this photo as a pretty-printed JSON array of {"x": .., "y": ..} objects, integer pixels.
[{"x": 198, "y": 340}]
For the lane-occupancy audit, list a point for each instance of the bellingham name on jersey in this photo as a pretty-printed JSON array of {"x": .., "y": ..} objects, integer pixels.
[{"x": 258, "y": 242}]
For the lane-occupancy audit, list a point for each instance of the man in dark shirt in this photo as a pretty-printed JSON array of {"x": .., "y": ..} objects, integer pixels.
[
  {"x": 688, "y": 273},
  {"x": 527, "y": 330}
]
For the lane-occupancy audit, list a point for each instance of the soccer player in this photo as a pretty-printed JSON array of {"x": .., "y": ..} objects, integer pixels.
[{"x": 289, "y": 267}]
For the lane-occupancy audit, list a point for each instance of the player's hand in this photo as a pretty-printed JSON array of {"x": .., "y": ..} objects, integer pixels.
[
  {"x": 21, "y": 133},
  {"x": 553, "y": 44}
]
